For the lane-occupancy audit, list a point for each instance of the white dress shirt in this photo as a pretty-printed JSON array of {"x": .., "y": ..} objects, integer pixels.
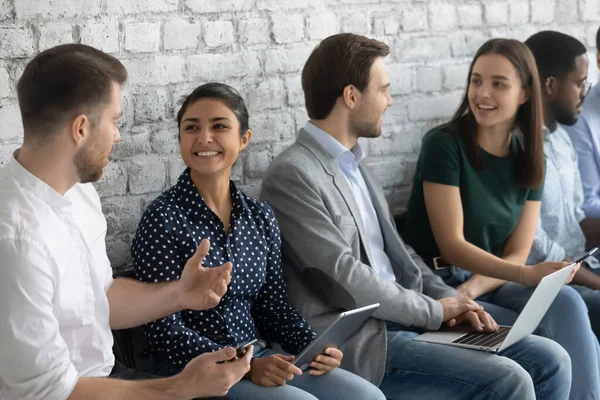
[
  {"x": 54, "y": 274},
  {"x": 348, "y": 161}
]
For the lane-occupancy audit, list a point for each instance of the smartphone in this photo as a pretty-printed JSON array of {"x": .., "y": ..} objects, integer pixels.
[
  {"x": 241, "y": 349},
  {"x": 586, "y": 255}
]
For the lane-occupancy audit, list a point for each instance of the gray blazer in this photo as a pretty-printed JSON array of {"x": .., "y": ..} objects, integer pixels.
[{"x": 327, "y": 265}]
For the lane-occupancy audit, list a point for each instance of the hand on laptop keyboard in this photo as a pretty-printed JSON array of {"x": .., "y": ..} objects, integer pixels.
[
  {"x": 481, "y": 321},
  {"x": 461, "y": 309}
]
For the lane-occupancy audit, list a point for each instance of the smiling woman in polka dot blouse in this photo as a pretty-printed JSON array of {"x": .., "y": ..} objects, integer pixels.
[{"x": 206, "y": 204}]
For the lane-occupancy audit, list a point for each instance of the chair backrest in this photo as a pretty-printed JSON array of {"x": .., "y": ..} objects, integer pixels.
[{"x": 400, "y": 219}]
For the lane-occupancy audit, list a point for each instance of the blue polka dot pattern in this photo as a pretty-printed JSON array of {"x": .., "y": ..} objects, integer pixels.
[{"x": 168, "y": 234}]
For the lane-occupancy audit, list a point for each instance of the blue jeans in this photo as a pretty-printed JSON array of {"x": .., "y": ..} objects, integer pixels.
[
  {"x": 335, "y": 385},
  {"x": 532, "y": 368},
  {"x": 591, "y": 298},
  {"x": 566, "y": 322}
]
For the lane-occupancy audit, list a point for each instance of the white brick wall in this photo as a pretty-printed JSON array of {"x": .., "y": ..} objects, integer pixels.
[
  {"x": 27, "y": 9},
  {"x": 443, "y": 16},
  {"x": 496, "y": 13},
  {"x": 16, "y": 41},
  {"x": 218, "y": 33},
  {"x": 469, "y": 15},
  {"x": 53, "y": 34},
  {"x": 180, "y": 34},
  {"x": 287, "y": 28},
  {"x": 142, "y": 37},
  {"x": 542, "y": 11},
  {"x": 5, "y": 82},
  {"x": 102, "y": 34},
  {"x": 259, "y": 47},
  {"x": 253, "y": 31},
  {"x": 321, "y": 25}
]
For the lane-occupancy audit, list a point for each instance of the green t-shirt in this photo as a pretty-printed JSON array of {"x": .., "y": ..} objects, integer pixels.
[{"x": 492, "y": 200}]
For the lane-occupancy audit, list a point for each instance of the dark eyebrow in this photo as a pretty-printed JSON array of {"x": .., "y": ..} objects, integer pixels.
[
  {"x": 215, "y": 119},
  {"x": 387, "y": 85},
  {"x": 501, "y": 77}
]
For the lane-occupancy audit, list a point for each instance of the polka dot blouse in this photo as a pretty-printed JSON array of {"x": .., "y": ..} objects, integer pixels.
[{"x": 169, "y": 233}]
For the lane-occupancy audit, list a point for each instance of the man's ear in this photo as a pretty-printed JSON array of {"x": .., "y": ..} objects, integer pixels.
[
  {"x": 79, "y": 129},
  {"x": 350, "y": 96},
  {"x": 550, "y": 86}
]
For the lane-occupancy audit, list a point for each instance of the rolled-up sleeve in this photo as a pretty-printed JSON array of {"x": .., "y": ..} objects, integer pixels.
[{"x": 34, "y": 358}]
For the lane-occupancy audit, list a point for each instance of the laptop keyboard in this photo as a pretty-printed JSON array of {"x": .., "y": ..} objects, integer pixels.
[{"x": 484, "y": 339}]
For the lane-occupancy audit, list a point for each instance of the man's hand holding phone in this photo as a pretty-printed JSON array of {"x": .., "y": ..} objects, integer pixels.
[{"x": 241, "y": 350}]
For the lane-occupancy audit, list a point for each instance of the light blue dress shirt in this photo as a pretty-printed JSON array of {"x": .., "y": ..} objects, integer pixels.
[
  {"x": 349, "y": 161},
  {"x": 585, "y": 135},
  {"x": 559, "y": 233}
]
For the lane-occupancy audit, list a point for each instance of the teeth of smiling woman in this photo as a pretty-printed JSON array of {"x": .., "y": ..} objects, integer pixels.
[
  {"x": 207, "y": 153},
  {"x": 484, "y": 107}
]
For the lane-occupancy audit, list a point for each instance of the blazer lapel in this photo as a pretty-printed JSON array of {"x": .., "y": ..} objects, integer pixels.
[{"x": 340, "y": 182}]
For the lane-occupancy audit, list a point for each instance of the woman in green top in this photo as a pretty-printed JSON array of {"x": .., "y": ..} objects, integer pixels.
[{"x": 475, "y": 201}]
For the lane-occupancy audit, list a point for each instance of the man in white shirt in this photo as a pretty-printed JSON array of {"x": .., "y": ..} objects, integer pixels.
[{"x": 58, "y": 300}]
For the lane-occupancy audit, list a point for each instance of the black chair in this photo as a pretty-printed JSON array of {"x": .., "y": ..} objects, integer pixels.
[{"x": 400, "y": 219}]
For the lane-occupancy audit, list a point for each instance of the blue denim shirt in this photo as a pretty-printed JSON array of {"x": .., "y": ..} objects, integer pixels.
[
  {"x": 585, "y": 135},
  {"x": 558, "y": 233}
]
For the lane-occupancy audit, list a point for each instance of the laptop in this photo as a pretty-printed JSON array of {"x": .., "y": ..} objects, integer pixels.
[
  {"x": 336, "y": 334},
  {"x": 506, "y": 336}
]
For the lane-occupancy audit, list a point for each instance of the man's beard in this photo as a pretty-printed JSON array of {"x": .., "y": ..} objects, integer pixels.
[
  {"x": 88, "y": 169},
  {"x": 563, "y": 115},
  {"x": 366, "y": 129}
]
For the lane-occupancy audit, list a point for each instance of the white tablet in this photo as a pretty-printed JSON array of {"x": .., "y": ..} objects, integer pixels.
[{"x": 335, "y": 335}]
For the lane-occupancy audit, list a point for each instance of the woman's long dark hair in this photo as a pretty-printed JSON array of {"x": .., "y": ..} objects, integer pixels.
[{"x": 529, "y": 118}]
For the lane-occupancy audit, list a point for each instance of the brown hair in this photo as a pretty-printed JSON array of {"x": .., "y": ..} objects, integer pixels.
[
  {"x": 529, "y": 118},
  {"x": 338, "y": 61},
  {"x": 63, "y": 82}
]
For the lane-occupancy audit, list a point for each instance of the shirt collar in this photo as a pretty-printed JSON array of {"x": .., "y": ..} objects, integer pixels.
[
  {"x": 188, "y": 194},
  {"x": 36, "y": 185},
  {"x": 546, "y": 131},
  {"x": 335, "y": 148}
]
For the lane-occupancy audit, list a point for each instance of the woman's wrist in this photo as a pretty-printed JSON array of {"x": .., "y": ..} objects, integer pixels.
[
  {"x": 248, "y": 374},
  {"x": 524, "y": 270},
  {"x": 521, "y": 274},
  {"x": 465, "y": 289}
]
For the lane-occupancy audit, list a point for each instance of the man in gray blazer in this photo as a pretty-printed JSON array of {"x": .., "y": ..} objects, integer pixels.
[{"x": 342, "y": 250}]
